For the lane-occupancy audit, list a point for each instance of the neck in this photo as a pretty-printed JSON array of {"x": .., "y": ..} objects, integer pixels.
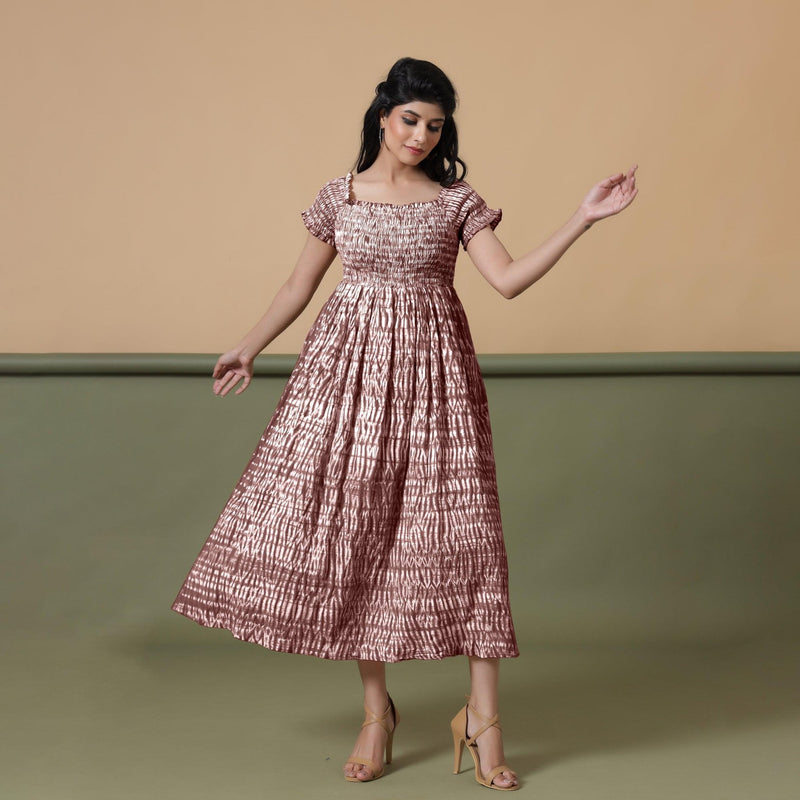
[{"x": 388, "y": 169}]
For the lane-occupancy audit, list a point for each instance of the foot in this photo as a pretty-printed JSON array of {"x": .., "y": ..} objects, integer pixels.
[
  {"x": 490, "y": 750},
  {"x": 371, "y": 743}
]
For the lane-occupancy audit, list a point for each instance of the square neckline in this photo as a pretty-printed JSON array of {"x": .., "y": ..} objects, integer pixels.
[{"x": 354, "y": 201}]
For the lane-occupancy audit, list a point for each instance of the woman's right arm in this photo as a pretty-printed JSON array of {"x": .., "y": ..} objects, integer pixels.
[{"x": 289, "y": 302}]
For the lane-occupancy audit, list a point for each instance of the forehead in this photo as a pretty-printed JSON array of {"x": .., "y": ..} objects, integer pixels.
[{"x": 421, "y": 109}]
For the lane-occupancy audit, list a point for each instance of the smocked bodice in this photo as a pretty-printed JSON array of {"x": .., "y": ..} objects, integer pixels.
[{"x": 408, "y": 244}]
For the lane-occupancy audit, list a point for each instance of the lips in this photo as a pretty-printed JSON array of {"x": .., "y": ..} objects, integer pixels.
[{"x": 414, "y": 150}]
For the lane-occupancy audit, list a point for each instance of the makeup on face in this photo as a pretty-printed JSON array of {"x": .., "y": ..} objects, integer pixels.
[{"x": 413, "y": 129}]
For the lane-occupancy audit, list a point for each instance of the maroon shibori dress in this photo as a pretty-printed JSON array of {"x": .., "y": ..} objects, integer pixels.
[{"x": 366, "y": 524}]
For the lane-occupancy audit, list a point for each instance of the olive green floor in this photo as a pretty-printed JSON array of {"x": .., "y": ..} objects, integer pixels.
[
  {"x": 129, "y": 717},
  {"x": 651, "y": 522}
]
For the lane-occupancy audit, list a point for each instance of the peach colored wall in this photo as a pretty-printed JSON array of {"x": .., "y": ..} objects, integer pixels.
[{"x": 156, "y": 155}]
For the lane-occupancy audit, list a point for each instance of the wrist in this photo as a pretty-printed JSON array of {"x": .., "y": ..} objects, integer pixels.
[
  {"x": 583, "y": 220},
  {"x": 246, "y": 351}
]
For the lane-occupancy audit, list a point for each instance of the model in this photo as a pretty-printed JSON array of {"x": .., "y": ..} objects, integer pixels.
[{"x": 366, "y": 525}]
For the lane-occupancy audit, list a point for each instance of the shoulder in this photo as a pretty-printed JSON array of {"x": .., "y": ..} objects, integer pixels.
[
  {"x": 461, "y": 196},
  {"x": 321, "y": 216},
  {"x": 336, "y": 190},
  {"x": 462, "y": 199},
  {"x": 469, "y": 211},
  {"x": 460, "y": 190}
]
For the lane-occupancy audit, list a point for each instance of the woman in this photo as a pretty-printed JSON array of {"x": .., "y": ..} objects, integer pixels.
[{"x": 366, "y": 525}]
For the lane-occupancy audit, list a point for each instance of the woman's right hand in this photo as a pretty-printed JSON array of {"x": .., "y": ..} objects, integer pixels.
[{"x": 232, "y": 367}]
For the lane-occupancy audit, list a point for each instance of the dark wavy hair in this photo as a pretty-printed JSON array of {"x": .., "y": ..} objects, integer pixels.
[{"x": 411, "y": 79}]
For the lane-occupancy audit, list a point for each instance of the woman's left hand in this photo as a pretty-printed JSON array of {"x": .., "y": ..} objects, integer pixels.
[{"x": 610, "y": 196}]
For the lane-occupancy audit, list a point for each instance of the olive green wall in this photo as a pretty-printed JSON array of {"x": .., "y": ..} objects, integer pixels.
[{"x": 637, "y": 507}]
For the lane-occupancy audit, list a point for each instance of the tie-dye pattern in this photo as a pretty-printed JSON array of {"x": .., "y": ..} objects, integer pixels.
[{"x": 366, "y": 524}]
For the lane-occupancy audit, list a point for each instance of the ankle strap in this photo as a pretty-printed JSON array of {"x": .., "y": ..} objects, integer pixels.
[
  {"x": 487, "y": 723},
  {"x": 382, "y": 720}
]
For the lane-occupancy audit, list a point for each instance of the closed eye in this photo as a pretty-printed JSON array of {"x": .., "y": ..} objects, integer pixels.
[{"x": 413, "y": 122}]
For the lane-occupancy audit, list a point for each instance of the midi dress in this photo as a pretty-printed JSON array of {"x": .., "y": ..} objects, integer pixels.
[{"x": 367, "y": 524}]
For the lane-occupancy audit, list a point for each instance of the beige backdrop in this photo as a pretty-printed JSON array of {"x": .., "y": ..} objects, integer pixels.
[{"x": 156, "y": 155}]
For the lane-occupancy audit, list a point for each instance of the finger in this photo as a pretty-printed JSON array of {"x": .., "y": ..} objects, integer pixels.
[
  {"x": 221, "y": 378},
  {"x": 232, "y": 383},
  {"x": 608, "y": 182},
  {"x": 230, "y": 380},
  {"x": 221, "y": 367},
  {"x": 244, "y": 385},
  {"x": 628, "y": 183},
  {"x": 217, "y": 385},
  {"x": 629, "y": 199}
]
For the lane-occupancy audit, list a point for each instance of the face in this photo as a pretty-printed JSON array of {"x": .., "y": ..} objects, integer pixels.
[{"x": 412, "y": 130}]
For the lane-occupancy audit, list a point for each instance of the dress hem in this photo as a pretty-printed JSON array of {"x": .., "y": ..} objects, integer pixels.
[{"x": 286, "y": 646}]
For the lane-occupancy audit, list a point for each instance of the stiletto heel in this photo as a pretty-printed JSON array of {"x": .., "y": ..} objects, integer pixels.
[
  {"x": 382, "y": 720},
  {"x": 458, "y": 746},
  {"x": 458, "y": 726},
  {"x": 389, "y": 744}
]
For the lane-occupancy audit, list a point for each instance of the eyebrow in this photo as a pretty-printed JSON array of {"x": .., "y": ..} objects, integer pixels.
[{"x": 409, "y": 111}]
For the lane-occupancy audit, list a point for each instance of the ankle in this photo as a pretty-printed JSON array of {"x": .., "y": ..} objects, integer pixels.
[
  {"x": 482, "y": 708},
  {"x": 376, "y": 700}
]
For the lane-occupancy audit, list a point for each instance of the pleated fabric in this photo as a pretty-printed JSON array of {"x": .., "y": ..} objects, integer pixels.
[{"x": 366, "y": 525}]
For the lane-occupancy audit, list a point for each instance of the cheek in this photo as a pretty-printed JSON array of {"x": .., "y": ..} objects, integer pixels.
[{"x": 399, "y": 129}]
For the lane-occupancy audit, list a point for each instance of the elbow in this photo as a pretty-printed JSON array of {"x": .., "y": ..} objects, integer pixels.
[
  {"x": 509, "y": 292},
  {"x": 507, "y": 286},
  {"x": 300, "y": 291},
  {"x": 503, "y": 288}
]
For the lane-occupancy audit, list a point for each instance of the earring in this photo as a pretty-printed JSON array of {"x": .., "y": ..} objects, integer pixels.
[{"x": 380, "y": 136}]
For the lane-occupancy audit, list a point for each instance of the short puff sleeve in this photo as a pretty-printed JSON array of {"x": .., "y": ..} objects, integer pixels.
[
  {"x": 474, "y": 216},
  {"x": 320, "y": 217}
]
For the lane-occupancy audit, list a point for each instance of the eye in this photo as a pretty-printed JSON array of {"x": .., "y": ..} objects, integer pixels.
[{"x": 413, "y": 122}]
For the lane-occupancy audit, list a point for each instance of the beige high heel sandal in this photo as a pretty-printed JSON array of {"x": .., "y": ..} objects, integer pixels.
[
  {"x": 458, "y": 726},
  {"x": 383, "y": 721}
]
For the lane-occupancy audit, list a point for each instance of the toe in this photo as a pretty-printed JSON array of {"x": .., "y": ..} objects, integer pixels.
[{"x": 506, "y": 778}]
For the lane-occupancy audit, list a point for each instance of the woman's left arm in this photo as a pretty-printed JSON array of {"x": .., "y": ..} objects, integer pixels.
[{"x": 512, "y": 277}]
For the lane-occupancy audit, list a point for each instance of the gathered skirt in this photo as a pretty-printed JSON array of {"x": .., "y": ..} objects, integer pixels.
[{"x": 366, "y": 524}]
